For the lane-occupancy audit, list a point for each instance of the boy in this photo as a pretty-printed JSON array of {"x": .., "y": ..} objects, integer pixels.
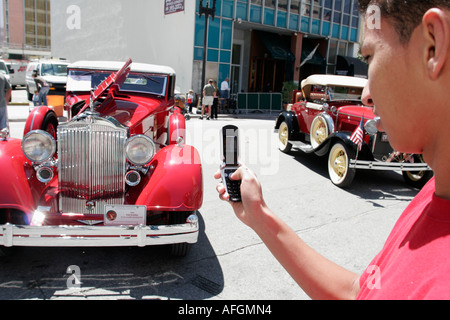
[{"x": 408, "y": 50}]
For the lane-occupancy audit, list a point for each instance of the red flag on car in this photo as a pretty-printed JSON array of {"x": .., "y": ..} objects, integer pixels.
[{"x": 357, "y": 135}]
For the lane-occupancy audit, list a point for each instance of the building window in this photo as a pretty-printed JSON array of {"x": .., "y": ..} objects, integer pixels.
[
  {"x": 355, "y": 15},
  {"x": 306, "y": 8},
  {"x": 269, "y": 4},
  {"x": 335, "y": 48},
  {"x": 337, "y": 11},
  {"x": 241, "y": 9},
  {"x": 282, "y": 5},
  {"x": 6, "y": 23},
  {"x": 37, "y": 23},
  {"x": 295, "y": 6},
  {"x": 317, "y": 10}
]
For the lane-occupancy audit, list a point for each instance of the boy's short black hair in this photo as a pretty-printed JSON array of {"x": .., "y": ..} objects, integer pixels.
[{"x": 405, "y": 15}]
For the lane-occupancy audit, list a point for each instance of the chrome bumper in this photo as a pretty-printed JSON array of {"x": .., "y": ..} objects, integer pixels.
[
  {"x": 98, "y": 236},
  {"x": 379, "y": 165}
]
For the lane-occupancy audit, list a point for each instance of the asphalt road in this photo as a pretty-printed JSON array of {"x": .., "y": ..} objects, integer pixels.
[{"x": 229, "y": 261}]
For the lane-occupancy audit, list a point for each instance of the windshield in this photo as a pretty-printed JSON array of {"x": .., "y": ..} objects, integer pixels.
[
  {"x": 344, "y": 93},
  {"x": 135, "y": 82},
  {"x": 3, "y": 68},
  {"x": 53, "y": 69}
]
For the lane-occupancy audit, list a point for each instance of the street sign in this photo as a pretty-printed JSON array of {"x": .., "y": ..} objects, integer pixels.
[{"x": 172, "y": 6}]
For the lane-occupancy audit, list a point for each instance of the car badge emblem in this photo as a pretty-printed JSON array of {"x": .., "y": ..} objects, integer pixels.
[
  {"x": 111, "y": 215},
  {"x": 90, "y": 205}
]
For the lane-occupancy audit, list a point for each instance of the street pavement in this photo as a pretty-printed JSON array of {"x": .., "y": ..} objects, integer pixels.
[
  {"x": 19, "y": 107},
  {"x": 229, "y": 262}
]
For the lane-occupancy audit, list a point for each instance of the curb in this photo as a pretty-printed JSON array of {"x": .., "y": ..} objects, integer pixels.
[{"x": 18, "y": 104}]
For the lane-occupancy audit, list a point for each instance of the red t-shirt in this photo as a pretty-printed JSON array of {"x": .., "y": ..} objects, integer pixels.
[{"x": 415, "y": 260}]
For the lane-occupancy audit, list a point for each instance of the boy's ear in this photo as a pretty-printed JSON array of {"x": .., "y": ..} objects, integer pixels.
[{"x": 436, "y": 30}]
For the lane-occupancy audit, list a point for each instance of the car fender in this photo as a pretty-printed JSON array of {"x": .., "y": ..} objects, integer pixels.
[
  {"x": 329, "y": 120},
  {"x": 174, "y": 181},
  {"x": 291, "y": 120},
  {"x": 343, "y": 137},
  {"x": 36, "y": 118},
  {"x": 17, "y": 177}
]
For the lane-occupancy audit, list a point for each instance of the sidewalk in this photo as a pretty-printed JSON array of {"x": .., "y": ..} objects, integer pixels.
[
  {"x": 239, "y": 114},
  {"x": 19, "y": 112}
]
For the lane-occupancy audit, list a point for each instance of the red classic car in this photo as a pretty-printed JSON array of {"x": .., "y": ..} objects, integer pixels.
[
  {"x": 117, "y": 173},
  {"x": 328, "y": 118}
]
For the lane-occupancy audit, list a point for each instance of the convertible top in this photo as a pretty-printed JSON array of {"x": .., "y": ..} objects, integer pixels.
[
  {"x": 334, "y": 80},
  {"x": 116, "y": 65}
]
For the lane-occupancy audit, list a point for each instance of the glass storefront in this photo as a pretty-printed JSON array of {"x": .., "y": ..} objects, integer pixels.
[{"x": 331, "y": 23}]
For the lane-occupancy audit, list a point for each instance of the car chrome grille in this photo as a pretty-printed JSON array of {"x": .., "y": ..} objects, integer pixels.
[{"x": 91, "y": 165}]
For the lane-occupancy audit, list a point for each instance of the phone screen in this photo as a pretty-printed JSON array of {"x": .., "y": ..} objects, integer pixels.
[{"x": 231, "y": 151}]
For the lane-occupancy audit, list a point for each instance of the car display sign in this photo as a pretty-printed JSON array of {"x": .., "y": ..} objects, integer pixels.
[{"x": 118, "y": 215}]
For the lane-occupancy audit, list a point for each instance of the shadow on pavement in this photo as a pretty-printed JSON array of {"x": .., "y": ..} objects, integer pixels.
[{"x": 111, "y": 273}]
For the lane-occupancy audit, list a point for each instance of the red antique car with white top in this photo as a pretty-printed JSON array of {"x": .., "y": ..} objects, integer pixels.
[
  {"x": 117, "y": 173},
  {"x": 328, "y": 118}
]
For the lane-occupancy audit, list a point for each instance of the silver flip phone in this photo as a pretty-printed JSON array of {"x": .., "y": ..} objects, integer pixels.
[{"x": 229, "y": 135}]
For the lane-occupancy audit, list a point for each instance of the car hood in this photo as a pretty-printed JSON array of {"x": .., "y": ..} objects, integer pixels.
[
  {"x": 131, "y": 112},
  {"x": 55, "y": 79},
  {"x": 358, "y": 111}
]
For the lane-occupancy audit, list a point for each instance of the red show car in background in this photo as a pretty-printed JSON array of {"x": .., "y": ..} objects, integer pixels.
[
  {"x": 328, "y": 118},
  {"x": 117, "y": 173}
]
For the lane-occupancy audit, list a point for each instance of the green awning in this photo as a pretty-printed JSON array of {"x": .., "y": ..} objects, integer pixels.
[
  {"x": 351, "y": 66},
  {"x": 278, "y": 48}
]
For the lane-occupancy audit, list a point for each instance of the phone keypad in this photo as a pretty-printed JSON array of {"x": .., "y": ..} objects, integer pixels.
[{"x": 233, "y": 186}]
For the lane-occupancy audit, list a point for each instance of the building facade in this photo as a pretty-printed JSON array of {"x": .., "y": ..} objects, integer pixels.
[
  {"x": 257, "y": 44},
  {"x": 25, "y": 30}
]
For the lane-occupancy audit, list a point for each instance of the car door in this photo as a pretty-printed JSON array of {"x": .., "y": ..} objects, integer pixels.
[{"x": 314, "y": 105}]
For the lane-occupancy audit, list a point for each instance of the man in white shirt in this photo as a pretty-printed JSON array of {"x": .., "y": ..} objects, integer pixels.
[{"x": 224, "y": 92}]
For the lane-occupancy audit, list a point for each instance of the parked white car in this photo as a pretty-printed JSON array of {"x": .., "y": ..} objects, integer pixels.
[
  {"x": 17, "y": 71},
  {"x": 54, "y": 73},
  {"x": 4, "y": 70}
]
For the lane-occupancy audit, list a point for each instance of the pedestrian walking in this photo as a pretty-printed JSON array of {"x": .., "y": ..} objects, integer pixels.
[
  {"x": 215, "y": 105},
  {"x": 224, "y": 93},
  {"x": 208, "y": 98},
  {"x": 190, "y": 100},
  {"x": 5, "y": 96},
  {"x": 43, "y": 89}
]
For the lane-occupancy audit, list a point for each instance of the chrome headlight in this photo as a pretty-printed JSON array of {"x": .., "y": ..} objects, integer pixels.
[
  {"x": 371, "y": 127},
  {"x": 140, "y": 150},
  {"x": 38, "y": 146},
  {"x": 4, "y": 134}
]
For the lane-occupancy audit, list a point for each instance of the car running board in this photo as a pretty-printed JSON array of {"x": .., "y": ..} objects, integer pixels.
[{"x": 302, "y": 146}]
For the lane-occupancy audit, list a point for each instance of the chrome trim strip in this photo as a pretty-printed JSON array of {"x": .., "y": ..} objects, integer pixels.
[
  {"x": 378, "y": 165},
  {"x": 34, "y": 116},
  {"x": 92, "y": 236}
]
